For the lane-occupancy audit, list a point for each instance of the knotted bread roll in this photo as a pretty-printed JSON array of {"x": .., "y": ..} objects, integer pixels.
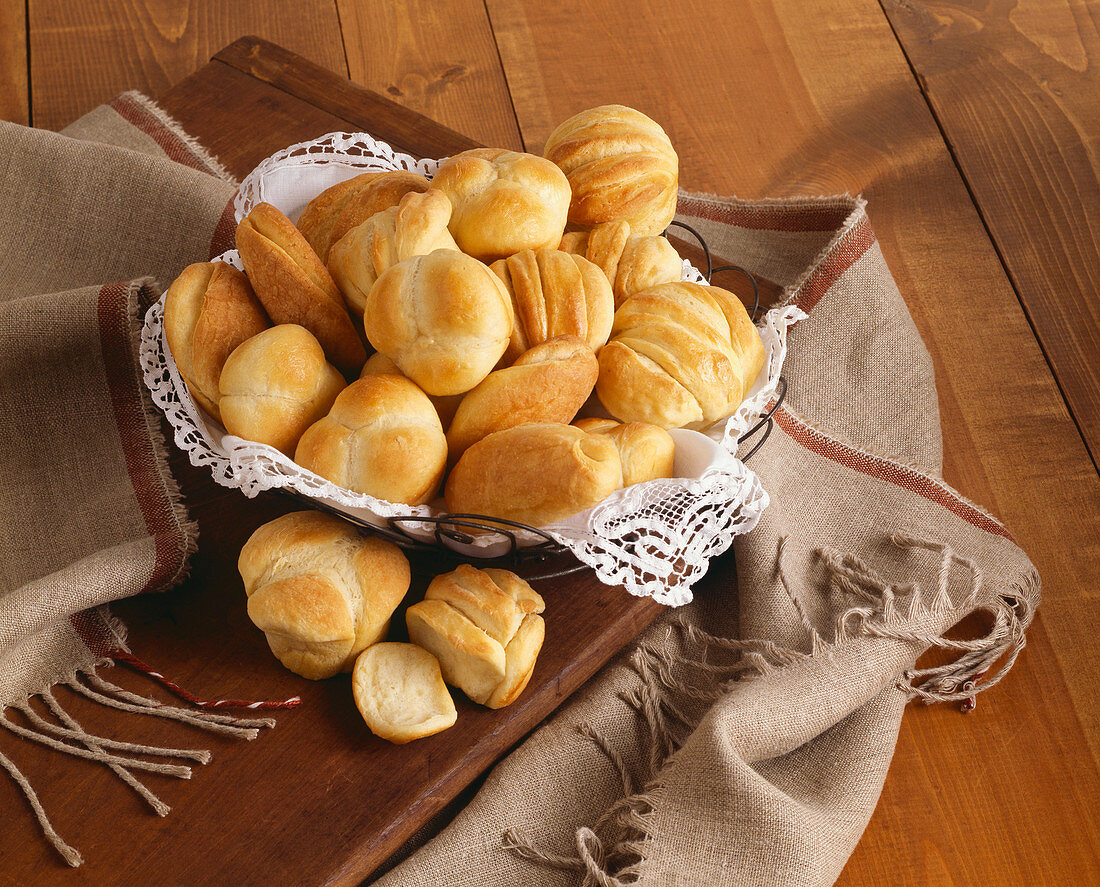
[
  {"x": 620, "y": 166},
  {"x": 549, "y": 383},
  {"x": 275, "y": 385},
  {"x": 680, "y": 354},
  {"x": 632, "y": 262},
  {"x": 208, "y": 311},
  {"x": 320, "y": 591},
  {"x": 534, "y": 474},
  {"x": 646, "y": 451},
  {"x": 399, "y": 691},
  {"x": 295, "y": 286},
  {"x": 445, "y": 405},
  {"x": 483, "y": 627},
  {"x": 504, "y": 201},
  {"x": 444, "y": 319},
  {"x": 382, "y": 437},
  {"x": 555, "y": 294},
  {"x": 414, "y": 227}
]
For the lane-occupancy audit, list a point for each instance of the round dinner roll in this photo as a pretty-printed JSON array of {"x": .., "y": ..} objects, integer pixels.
[
  {"x": 414, "y": 227},
  {"x": 320, "y": 591},
  {"x": 680, "y": 354},
  {"x": 646, "y": 451},
  {"x": 445, "y": 319},
  {"x": 382, "y": 437},
  {"x": 445, "y": 405},
  {"x": 504, "y": 201},
  {"x": 620, "y": 166},
  {"x": 208, "y": 311},
  {"x": 555, "y": 294},
  {"x": 400, "y": 693},
  {"x": 275, "y": 385},
  {"x": 534, "y": 474}
]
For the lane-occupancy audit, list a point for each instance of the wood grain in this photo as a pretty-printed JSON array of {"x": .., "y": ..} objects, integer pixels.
[
  {"x": 1015, "y": 85},
  {"x": 83, "y": 54},
  {"x": 14, "y": 89},
  {"x": 438, "y": 59},
  {"x": 790, "y": 97}
]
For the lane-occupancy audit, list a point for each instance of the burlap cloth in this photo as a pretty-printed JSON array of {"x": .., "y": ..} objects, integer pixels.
[{"x": 743, "y": 739}]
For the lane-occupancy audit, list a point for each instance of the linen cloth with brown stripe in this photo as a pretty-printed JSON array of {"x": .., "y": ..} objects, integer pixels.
[
  {"x": 89, "y": 511},
  {"x": 744, "y": 739}
]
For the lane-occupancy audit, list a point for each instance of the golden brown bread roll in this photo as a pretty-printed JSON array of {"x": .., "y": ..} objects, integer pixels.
[
  {"x": 555, "y": 294},
  {"x": 534, "y": 474},
  {"x": 680, "y": 354},
  {"x": 386, "y": 190},
  {"x": 483, "y": 627},
  {"x": 445, "y": 405},
  {"x": 208, "y": 311},
  {"x": 504, "y": 201},
  {"x": 620, "y": 166},
  {"x": 444, "y": 319},
  {"x": 275, "y": 385},
  {"x": 632, "y": 262},
  {"x": 295, "y": 286},
  {"x": 414, "y": 227},
  {"x": 548, "y": 383},
  {"x": 382, "y": 437},
  {"x": 646, "y": 451},
  {"x": 319, "y": 217},
  {"x": 320, "y": 591},
  {"x": 399, "y": 691}
]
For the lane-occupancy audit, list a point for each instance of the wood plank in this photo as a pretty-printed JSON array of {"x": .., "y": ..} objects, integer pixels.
[
  {"x": 789, "y": 97},
  {"x": 14, "y": 90},
  {"x": 82, "y": 54},
  {"x": 438, "y": 59},
  {"x": 1016, "y": 88}
]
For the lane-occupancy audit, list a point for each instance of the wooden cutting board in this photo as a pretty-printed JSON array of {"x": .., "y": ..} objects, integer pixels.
[{"x": 317, "y": 800}]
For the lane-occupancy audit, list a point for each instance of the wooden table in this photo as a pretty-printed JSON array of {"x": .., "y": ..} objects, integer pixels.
[{"x": 971, "y": 131}]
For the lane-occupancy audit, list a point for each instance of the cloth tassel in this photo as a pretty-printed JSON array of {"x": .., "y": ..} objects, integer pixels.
[{"x": 70, "y": 854}]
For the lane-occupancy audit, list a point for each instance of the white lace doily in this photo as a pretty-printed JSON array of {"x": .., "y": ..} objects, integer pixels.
[{"x": 654, "y": 539}]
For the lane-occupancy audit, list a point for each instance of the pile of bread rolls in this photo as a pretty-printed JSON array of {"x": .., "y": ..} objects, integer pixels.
[
  {"x": 495, "y": 302},
  {"x": 324, "y": 596}
]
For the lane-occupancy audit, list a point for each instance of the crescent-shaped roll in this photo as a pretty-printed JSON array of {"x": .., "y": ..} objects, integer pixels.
[
  {"x": 620, "y": 166},
  {"x": 378, "y": 365},
  {"x": 382, "y": 437},
  {"x": 534, "y": 474},
  {"x": 646, "y": 451},
  {"x": 555, "y": 293},
  {"x": 549, "y": 383},
  {"x": 414, "y": 227},
  {"x": 320, "y": 591},
  {"x": 294, "y": 285},
  {"x": 680, "y": 354},
  {"x": 319, "y": 217},
  {"x": 275, "y": 385},
  {"x": 445, "y": 319},
  {"x": 632, "y": 262},
  {"x": 209, "y": 310},
  {"x": 504, "y": 201}
]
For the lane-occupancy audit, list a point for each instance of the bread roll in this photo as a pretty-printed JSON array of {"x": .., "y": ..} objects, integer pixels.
[
  {"x": 444, "y": 319},
  {"x": 646, "y": 451},
  {"x": 680, "y": 354},
  {"x": 384, "y": 191},
  {"x": 319, "y": 217},
  {"x": 414, "y": 227},
  {"x": 632, "y": 262},
  {"x": 483, "y": 627},
  {"x": 208, "y": 311},
  {"x": 445, "y": 405},
  {"x": 555, "y": 294},
  {"x": 382, "y": 437},
  {"x": 275, "y": 385},
  {"x": 534, "y": 474},
  {"x": 295, "y": 286},
  {"x": 504, "y": 201},
  {"x": 320, "y": 591},
  {"x": 399, "y": 691},
  {"x": 549, "y": 383},
  {"x": 620, "y": 166}
]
